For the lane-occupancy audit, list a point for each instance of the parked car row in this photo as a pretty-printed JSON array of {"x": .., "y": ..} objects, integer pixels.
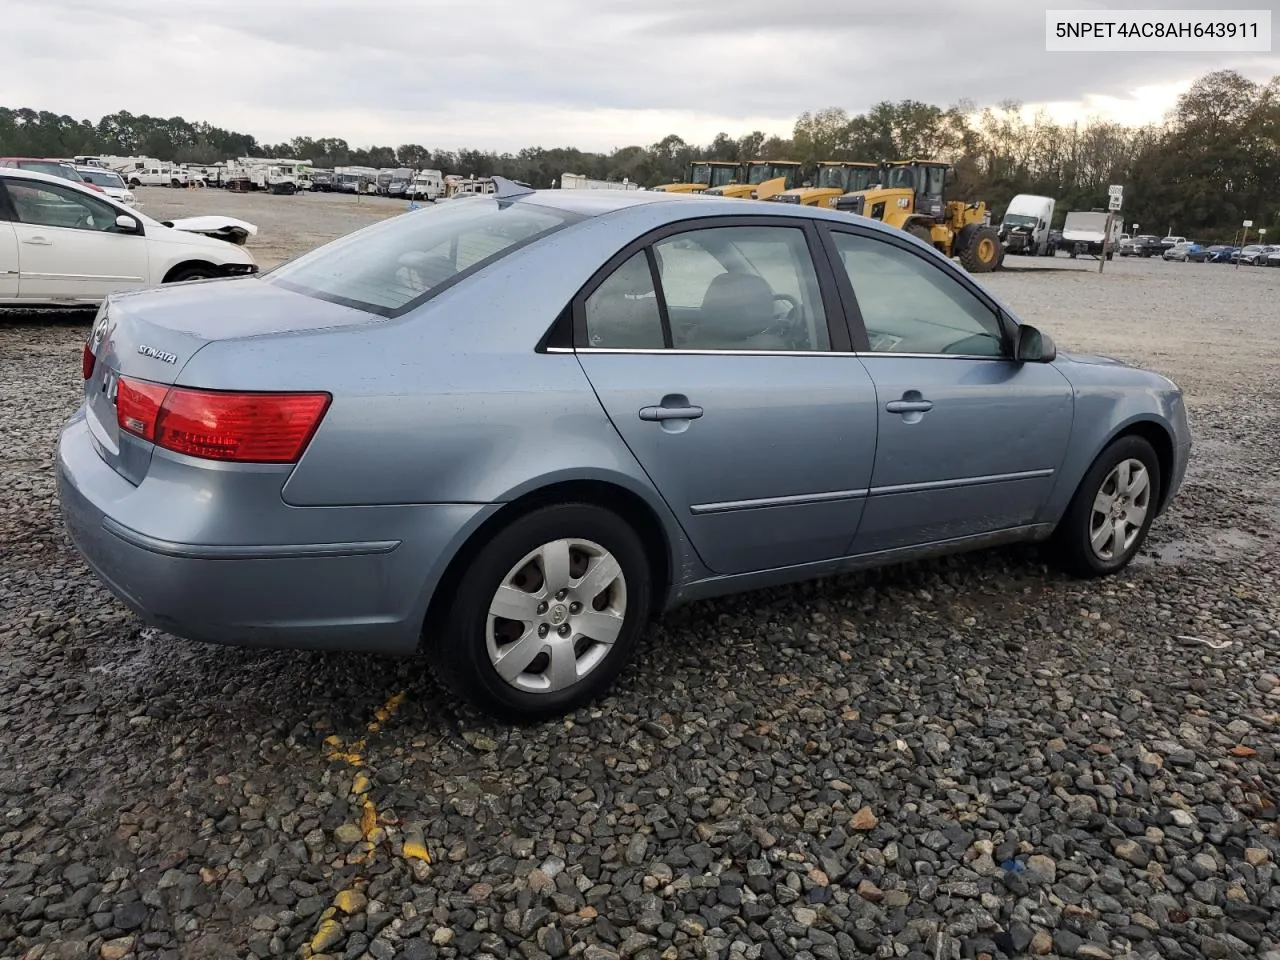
[{"x": 1182, "y": 250}]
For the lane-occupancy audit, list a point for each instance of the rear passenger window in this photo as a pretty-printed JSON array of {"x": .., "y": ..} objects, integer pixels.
[
  {"x": 623, "y": 312},
  {"x": 742, "y": 288}
]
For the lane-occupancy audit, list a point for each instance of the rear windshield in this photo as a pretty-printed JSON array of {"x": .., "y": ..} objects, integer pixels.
[
  {"x": 103, "y": 178},
  {"x": 395, "y": 265},
  {"x": 51, "y": 168}
]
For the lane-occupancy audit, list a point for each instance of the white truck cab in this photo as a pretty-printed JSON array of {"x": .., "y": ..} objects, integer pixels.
[{"x": 1026, "y": 224}]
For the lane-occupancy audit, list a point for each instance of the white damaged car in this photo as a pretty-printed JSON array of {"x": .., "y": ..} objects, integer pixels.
[{"x": 65, "y": 245}]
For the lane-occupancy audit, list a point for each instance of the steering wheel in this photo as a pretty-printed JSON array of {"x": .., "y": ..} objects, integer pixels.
[
  {"x": 789, "y": 326},
  {"x": 789, "y": 299}
]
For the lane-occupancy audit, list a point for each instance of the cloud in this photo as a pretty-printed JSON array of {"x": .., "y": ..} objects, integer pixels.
[{"x": 502, "y": 74}]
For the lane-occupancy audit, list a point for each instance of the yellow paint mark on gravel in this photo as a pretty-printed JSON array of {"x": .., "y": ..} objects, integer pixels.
[
  {"x": 352, "y": 900},
  {"x": 368, "y": 818},
  {"x": 415, "y": 850},
  {"x": 327, "y": 935}
]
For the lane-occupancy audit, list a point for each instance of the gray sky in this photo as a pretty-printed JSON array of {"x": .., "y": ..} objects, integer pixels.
[{"x": 596, "y": 74}]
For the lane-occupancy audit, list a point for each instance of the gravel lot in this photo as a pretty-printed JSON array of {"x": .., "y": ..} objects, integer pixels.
[{"x": 951, "y": 759}]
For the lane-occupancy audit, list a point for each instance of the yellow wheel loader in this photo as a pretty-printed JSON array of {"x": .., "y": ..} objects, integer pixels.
[
  {"x": 705, "y": 175},
  {"x": 764, "y": 179},
  {"x": 835, "y": 179},
  {"x": 910, "y": 198}
]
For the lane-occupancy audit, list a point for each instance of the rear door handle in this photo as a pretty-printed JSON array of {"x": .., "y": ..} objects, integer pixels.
[
  {"x": 38, "y": 241},
  {"x": 909, "y": 406},
  {"x": 670, "y": 413}
]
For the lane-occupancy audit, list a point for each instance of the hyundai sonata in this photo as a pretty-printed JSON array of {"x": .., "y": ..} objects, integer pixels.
[{"x": 514, "y": 427}]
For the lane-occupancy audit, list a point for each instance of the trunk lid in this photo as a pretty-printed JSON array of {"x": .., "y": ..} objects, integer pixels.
[{"x": 152, "y": 334}]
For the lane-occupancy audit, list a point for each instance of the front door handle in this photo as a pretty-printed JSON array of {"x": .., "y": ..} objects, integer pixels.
[
  {"x": 909, "y": 406},
  {"x": 38, "y": 241},
  {"x": 658, "y": 414}
]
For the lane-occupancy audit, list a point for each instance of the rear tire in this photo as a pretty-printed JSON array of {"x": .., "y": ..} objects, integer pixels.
[
  {"x": 920, "y": 233},
  {"x": 542, "y": 567},
  {"x": 1109, "y": 517}
]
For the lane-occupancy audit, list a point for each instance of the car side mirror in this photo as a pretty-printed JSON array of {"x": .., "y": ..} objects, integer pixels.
[
  {"x": 128, "y": 224},
  {"x": 1032, "y": 346}
]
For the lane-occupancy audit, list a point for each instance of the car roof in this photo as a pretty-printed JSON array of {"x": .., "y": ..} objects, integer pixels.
[
  {"x": 19, "y": 173},
  {"x": 596, "y": 203}
]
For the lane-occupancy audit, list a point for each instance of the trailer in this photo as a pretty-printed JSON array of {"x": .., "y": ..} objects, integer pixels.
[{"x": 578, "y": 181}]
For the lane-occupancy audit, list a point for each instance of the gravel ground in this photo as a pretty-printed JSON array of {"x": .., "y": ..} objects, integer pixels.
[{"x": 968, "y": 757}]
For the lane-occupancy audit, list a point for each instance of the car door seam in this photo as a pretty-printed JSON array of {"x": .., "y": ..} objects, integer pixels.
[{"x": 639, "y": 463}]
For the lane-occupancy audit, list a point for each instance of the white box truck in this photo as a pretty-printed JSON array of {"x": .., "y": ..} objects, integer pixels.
[
  {"x": 1084, "y": 232},
  {"x": 1025, "y": 226}
]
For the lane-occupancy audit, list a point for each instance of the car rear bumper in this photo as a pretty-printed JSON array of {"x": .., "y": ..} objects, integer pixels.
[{"x": 364, "y": 594}]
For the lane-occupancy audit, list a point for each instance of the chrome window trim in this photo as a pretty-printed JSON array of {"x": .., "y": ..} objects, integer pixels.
[{"x": 660, "y": 351}]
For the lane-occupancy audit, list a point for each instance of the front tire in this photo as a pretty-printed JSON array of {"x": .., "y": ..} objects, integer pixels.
[
  {"x": 192, "y": 273},
  {"x": 546, "y": 614},
  {"x": 1110, "y": 515},
  {"x": 983, "y": 253}
]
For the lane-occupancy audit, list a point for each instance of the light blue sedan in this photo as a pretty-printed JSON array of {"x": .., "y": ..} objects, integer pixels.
[{"x": 513, "y": 428}]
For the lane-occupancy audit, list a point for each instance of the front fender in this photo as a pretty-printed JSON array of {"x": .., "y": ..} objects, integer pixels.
[{"x": 1107, "y": 408}]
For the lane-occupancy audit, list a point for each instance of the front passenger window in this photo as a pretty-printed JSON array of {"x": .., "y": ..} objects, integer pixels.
[
  {"x": 910, "y": 305},
  {"x": 48, "y": 205}
]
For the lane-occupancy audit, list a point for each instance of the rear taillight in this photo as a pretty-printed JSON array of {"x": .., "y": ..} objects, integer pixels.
[
  {"x": 87, "y": 362},
  {"x": 218, "y": 425},
  {"x": 138, "y": 406}
]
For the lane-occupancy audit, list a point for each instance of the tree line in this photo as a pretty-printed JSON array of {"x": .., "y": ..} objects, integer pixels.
[{"x": 1212, "y": 162}]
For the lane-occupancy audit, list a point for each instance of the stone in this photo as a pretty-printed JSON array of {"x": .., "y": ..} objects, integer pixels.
[
  {"x": 348, "y": 833},
  {"x": 864, "y": 820},
  {"x": 1043, "y": 867},
  {"x": 1130, "y": 851},
  {"x": 131, "y": 916},
  {"x": 869, "y": 891}
]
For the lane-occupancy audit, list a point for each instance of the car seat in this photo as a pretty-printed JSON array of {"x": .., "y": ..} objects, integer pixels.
[{"x": 736, "y": 311}]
